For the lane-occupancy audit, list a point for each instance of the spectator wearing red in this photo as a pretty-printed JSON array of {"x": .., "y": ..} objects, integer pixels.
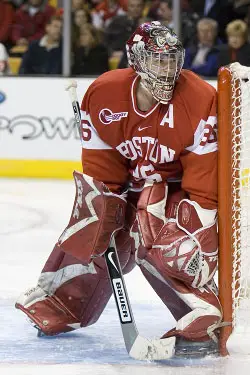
[
  {"x": 6, "y": 18},
  {"x": 30, "y": 21},
  {"x": 104, "y": 12},
  {"x": 121, "y": 27}
]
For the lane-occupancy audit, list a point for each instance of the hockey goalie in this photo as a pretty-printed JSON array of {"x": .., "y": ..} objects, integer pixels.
[{"x": 149, "y": 159}]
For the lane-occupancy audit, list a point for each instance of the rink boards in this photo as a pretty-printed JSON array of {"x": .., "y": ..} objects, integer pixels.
[{"x": 38, "y": 137}]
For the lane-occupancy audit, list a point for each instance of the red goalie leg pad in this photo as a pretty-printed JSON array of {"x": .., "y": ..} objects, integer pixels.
[
  {"x": 183, "y": 257},
  {"x": 96, "y": 215},
  {"x": 174, "y": 303},
  {"x": 65, "y": 299},
  {"x": 70, "y": 295},
  {"x": 205, "y": 314},
  {"x": 205, "y": 317}
]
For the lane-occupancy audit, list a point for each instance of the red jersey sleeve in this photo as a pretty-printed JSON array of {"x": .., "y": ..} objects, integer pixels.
[
  {"x": 199, "y": 160},
  {"x": 99, "y": 159}
]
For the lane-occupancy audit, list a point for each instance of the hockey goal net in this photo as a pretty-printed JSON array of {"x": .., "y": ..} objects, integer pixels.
[{"x": 234, "y": 206}]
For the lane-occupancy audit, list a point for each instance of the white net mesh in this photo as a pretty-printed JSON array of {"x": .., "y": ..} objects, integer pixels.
[{"x": 241, "y": 197}]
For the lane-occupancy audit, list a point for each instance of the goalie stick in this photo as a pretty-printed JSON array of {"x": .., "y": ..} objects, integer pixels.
[{"x": 137, "y": 346}]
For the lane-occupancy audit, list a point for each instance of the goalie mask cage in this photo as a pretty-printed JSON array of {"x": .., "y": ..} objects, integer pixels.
[{"x": 234, "y": 207}]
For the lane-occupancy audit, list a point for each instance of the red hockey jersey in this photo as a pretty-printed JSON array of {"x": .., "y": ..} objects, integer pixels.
[{"x": 171, "y": 142}]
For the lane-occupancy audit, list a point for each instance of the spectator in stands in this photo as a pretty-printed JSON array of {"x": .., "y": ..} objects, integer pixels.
[
  {"x": 4, "y": 66},
  {"x": 90, "y": 57},
  {"x": 203, "y": 57},
  {"x": 77, "y": 4},
  {"x": 30, "y": 20},
  {"x": 165, "y": 12},
  {"x": 81, "y": 18},
  {"x": 221, "y": 11},
  {"x": 104, "y": 12},
  {"x": 45, "y": 55},
  {"x": 121, "y": 27},
  {"x": 188, "y": 21},
  {"x": 238, "y": 48},
  {"x": 6, "y": 18},
  {"x": 153, "y": 11}
]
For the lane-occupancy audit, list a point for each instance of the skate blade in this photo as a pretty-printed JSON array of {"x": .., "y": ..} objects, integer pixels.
[{"x": 196, "y": 351}]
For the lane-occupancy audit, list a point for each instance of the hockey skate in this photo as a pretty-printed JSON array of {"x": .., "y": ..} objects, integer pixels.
[
  {"x": 195, "y": 349},
  {"x": 40, "y": 333}
]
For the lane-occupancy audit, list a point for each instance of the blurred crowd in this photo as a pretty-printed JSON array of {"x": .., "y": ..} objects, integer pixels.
[{"x": 213, "y": 32}]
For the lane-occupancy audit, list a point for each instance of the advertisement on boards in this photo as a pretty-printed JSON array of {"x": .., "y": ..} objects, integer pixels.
[{"x": 36, "y": 119}]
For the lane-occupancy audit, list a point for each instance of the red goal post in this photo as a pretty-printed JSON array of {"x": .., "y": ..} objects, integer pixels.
[{"x": 234, "y": 207}]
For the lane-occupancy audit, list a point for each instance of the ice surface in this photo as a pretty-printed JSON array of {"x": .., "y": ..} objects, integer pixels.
[{"x": 33, "y": 214}]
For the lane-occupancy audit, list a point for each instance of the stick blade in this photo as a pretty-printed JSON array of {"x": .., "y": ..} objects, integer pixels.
[{"x": 152, "y": 350}]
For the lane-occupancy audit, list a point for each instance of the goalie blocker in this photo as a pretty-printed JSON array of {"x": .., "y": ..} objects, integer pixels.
[{"x": 172, "y": 239}]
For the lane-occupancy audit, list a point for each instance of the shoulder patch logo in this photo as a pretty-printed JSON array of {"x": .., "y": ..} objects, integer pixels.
[{"x": 106, "y": 116}]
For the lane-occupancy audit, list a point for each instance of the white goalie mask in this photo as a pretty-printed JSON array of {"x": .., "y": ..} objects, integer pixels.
[{"x": 157, "y": 55}]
